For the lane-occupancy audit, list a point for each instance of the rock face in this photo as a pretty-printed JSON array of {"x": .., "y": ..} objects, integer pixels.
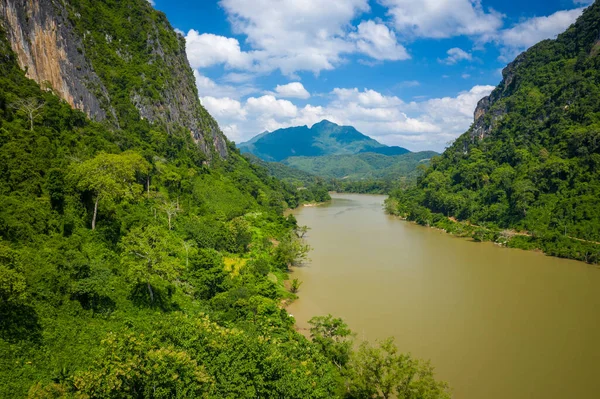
[
  {"x": 51, "y": 54},
  {"x": 488, "y": 113},
  {"x": 61, "y": 45}
]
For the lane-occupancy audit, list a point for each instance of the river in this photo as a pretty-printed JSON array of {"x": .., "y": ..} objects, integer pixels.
[{"x": 496, "y": 323}]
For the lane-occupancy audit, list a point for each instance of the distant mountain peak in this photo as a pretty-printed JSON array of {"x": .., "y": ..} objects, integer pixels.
[
  {"x": 325, "y": 122},
  {"x": 323, "y": 138}
]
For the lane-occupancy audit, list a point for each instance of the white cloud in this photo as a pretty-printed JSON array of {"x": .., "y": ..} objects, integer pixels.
[
  {"x": 379, "y": 42},
  {"x": 292, "y": 36},
  {"x": 292, "y": 90},
  {"x": 204, "y": 50},
  {"x": 152, "y": 2},
  {"x": 454, "y": 114},
  {"x": 442, "y": 18},
  {"x": 456, "y": 55},
  {"x": 531, "y": 31},
  {"x": 269, "y": 106},
  {"x": 208, "y": 87},
  {"x": 224, "y": 108}
]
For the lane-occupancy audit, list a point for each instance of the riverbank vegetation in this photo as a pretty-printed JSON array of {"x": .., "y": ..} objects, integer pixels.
[{"x": 527, "y": 173}]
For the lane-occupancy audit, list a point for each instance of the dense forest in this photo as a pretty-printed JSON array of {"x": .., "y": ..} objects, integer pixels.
[
  {"x": 527, "y": 173},
  {"x": 398, "y": 173},
  {"x": 138, "y": 262}
]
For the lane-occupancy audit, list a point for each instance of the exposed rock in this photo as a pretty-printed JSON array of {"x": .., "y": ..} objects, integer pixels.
[
  {"x": 488, "y": 112},
  {"x": 51, "y": 54}
]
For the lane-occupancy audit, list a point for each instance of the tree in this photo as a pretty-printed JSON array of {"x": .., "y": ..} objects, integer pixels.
[
  {"x": 291, "y": 251},
  {"x": 12, "y": 285},
  {"x": 295, "y": 286},
  {"x": 31, "y": 107},
  {"x": 110, "y": 177},
  {"x": 171, "y": 208},
  {"x": 382, "y": 373},
  {"x": 148, "y": 257},
  {"x": 333, "y": 337},
  {"x": 133, "y": 367},
  {"x": 12, "y": 282},
  {"x": 301, "y": 231}
]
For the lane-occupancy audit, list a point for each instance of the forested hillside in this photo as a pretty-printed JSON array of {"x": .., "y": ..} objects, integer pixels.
[
  {"x": 139, "y": 257},
  {"x": 362, "y": 166},
  {"x": 527, "y": 172}
]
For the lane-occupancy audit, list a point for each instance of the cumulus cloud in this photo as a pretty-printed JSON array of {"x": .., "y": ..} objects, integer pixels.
[
  {"x": 292, "y": 36},
  {"x": 454, "y": 114},
  {"x": 208, "y": 87},
  {"x": 224, "y": 108},
  {"x": 531, "y": 31},
  {"x": 442, "y": 18},
  {"x": 308, "y": 35},
  {"x": 271, "y": 107},
  {"x": 206, "y": 49},
  {"x": 378, "y": 42},
  {"x": 292, "y": 90},
  {"x": 456, "y": 55}
]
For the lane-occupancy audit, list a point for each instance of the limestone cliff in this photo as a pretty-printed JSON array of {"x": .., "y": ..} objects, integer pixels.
[
  {"x": 119, "y": 62},
  {"x": 488, "y": 112},
  {"x": 51, "y": 54}
]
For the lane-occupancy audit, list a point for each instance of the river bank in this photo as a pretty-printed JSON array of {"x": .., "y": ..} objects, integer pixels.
[{"x": 551, "y": 244}]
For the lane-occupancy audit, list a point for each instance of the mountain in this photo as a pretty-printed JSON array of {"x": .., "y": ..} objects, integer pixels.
[
  {"x": 363, "y": 165},
  {"x": 530, "y": 163},
  {"x": 323, "y": 138}
]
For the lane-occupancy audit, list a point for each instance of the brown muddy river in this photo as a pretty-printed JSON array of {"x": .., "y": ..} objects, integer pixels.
[{"x": 496, "y": 323}]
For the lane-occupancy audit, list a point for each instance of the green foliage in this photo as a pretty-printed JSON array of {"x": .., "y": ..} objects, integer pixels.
[
  {"x": 110, "y": 177},
  {"x": 295, "y": 286},
  {"x": 381, "y": 372},
  {"x": 291, "y": 251},
  {"x": 333, "y": 337},
  {"x": 362, "y": 166},
  {"x": 149, "y": 258},
  {"x": 537, "y": 168},
  {"x": 131, "y": 367}
]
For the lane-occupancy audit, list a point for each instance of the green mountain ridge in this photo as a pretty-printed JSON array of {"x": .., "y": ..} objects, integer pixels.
[
  {"x": 531, "y": 160},
  {"x": 323, "y": 138},
  {"x": 360, "y": 166}
]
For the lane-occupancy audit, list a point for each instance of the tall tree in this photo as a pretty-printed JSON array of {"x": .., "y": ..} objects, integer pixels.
[
  {"x": 31, "y": 107},
  {"x": 382, "y": 372},
  {"x": 110, "y": 177},
  {"x": 149, "y": 257}
]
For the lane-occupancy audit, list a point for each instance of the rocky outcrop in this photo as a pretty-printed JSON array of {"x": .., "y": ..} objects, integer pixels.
[
  {"x": 51, "y": 54},
  {"x": 489, "y": 112},
  {"x": 56, "y": 46}
]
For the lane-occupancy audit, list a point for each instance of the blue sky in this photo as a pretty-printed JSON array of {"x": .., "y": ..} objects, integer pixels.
[{"x": 404, "y": 72}]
